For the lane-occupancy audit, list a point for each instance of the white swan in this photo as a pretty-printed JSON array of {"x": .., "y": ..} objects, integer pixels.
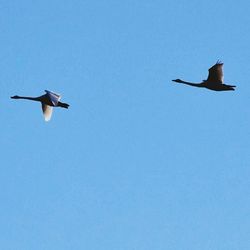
[{"x": 48, "y": 101}]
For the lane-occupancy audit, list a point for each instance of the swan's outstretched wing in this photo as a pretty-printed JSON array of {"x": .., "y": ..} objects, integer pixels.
[
  {"x": 215, "y": 74},
  {"x": 47, "y": 111},
  {"x": 54, "y": 98}
]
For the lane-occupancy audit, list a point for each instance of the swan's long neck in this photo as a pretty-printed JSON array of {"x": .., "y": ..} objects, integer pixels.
[
  {"x": 193, "y": 84},
  {"x": 29, "y": 98}
]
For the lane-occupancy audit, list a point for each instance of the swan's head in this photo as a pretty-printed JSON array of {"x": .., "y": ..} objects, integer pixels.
[
  {"x": 15, "y": 97},
  {"x": 177, "y": 80}
]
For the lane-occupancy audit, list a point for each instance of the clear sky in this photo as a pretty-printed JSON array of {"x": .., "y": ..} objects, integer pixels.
[{"x": 137, "y": 162}]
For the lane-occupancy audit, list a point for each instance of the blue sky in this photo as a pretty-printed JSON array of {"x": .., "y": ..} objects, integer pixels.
[{"x": 137, "y": 162}]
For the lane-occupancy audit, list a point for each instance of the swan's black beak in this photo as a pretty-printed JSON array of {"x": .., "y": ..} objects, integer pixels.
[{"x": 176, "y": 80}]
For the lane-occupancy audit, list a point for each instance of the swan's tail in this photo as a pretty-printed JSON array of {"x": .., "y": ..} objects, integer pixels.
[{"x": 63, "y": 105}]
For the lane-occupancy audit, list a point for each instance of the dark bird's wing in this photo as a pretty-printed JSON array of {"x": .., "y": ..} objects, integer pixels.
[
  {"x": 53, "y": 97},
  {"x": 215, "y": 74}
]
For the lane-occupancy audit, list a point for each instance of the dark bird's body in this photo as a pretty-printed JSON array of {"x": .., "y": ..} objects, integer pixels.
[{"x": 214, "y": 80}]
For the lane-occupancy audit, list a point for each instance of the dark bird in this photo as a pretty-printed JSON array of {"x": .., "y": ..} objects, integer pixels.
[
  {"x": 214, "y": 80},
  {"x": 48, "y": 101}
]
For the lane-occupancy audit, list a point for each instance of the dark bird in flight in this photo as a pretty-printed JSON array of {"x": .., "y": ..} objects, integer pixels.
[
  {"x": 214, "y": 80},
  {"x": 48, "y": 101}
]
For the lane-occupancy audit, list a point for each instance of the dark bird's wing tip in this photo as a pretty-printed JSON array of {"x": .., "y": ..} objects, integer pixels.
[{"x": 219, "y": 62}]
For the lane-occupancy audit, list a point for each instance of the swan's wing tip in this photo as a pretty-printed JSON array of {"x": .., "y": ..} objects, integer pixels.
[{"x": 46, "y": 118}]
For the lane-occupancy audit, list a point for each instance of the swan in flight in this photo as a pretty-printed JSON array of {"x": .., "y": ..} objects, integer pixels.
[
  {"x": 48, "y": 101},
  {"x": 214, "y": 80}
]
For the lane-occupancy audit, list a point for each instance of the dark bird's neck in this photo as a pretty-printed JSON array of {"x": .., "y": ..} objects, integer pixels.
[
  {"x": 190, "y": 83},
  {"x": 26, "y": 98}
]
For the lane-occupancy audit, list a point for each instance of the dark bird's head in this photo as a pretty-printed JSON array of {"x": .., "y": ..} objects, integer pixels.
[
  {"x": 15, "y": 97},
  {"x": 177, "y": 80}
]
